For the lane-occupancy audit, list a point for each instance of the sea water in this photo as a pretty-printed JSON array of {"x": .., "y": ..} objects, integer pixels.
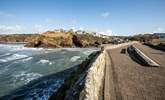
[{"x": 20, "y": 65}]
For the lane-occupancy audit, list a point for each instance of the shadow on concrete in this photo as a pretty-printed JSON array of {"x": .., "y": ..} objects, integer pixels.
[
  {"x": 123, "y": 51},
  {"x": 135, "y": 57}
]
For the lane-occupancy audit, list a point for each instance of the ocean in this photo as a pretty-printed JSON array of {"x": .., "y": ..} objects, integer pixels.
[{"x": 20, "y": 66}]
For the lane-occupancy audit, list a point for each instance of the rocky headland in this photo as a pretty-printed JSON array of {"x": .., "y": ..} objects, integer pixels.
[
  {"x": 12, "y": 38},
  {"x": 58, "y": 39}
]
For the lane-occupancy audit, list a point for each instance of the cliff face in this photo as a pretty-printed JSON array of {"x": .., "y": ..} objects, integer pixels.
[
  {"x": 88, "y": 40},
  {"x": 66, "y": 39},
  {"x": 52, "y": 39},
  {"x": 17, "y": 38}
]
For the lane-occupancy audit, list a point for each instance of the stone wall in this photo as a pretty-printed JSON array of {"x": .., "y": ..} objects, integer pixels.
[
  {"x": 94, "y": 79},
  {"x": 74, "y": 81},
  {"x": 94, "y": 82}
]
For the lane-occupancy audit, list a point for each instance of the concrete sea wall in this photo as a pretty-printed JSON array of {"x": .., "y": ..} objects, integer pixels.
[
  {"x": 74, "y": 83},
  {"x": 94, "y": 79},
  {"x": 87, "y": 81},
  {"x": 140, "y": 56},
  {"x": 94, "y": 82}
]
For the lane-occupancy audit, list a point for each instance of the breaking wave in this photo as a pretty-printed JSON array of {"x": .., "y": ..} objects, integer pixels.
[
  {"x": 44, "y": 61},
  {"x": 26, "y": 77},
  {"x": 74, "y": 58},
  {"x": 13, "y": 57}
]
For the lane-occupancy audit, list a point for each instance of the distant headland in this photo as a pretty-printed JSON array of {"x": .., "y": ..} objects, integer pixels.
[{"x": 58, "y": 39}]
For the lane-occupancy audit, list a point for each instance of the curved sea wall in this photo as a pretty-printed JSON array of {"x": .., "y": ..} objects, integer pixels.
[
  {"x": 74, "y": 83},
  {"x": 94, "y": 79},
  {"x": 88, "y": 79}
]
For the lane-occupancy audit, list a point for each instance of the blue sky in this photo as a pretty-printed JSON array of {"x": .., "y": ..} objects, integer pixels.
[{"x": 111, "y": 17}]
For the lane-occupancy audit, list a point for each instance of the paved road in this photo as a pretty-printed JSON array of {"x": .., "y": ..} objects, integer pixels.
[{"x": 129, "y": 80}]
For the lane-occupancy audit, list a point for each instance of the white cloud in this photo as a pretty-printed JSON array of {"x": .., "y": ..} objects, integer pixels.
[
  {"x": 159, "y": 30},
  {"x": 10, "y": 29},
  {"x": 105, "y": 14},
  {"x": 101, "y": 32},
  {"x": 4, "y": 14},
  {"x": 38, "y": 28},
  {"x": 74, "y": 29},
  {"x": 107, "y": 32},
  {"x": 81, "y": 28}
]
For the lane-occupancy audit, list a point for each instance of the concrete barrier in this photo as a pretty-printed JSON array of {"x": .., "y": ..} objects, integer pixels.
[
  {"x": 148, "y": 60},
  {"x": 94, "y": 81}
]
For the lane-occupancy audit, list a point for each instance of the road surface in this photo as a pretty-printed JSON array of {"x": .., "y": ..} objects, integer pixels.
[{"x": 125, "y": 79}]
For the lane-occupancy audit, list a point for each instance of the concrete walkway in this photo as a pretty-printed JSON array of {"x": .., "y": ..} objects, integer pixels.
[{"x": 127, "y": 80}]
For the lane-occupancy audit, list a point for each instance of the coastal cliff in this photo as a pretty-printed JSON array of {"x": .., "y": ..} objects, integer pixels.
[
  {"x": 17, "y": 38},
  {"x": 54, "y": 39},
  {"x": 58, "y": 39}
]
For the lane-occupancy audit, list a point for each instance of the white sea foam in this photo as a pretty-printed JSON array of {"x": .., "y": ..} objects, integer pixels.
[
  {"x": 6, "y": 54},
  {"x": 11, "y": 47},
  {"x": 17, "y": 47},
  {"x": 43, "y": 61},
  {"x": 19, "y": 56},
  {"x": 20, "y": 48},
  {"x": 74, "y": 58},
  {"x": 50, "y": 63},
  {"x": 27, "y": 59},
  {"x": 3, "y": 60},
  {"x": 88, "y": 52},
  {"x": 13, "y": 57},
  {"x": 73, "y": 49},
  {"x": 26, "y": 77}
]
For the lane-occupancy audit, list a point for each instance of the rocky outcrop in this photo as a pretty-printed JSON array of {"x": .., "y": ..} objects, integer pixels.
[
  {"x": 80, "y": 42},
  {"x": 17, "y": 38},
  {"x": 88, "y": 40},
  {"x": 77, "y": 41},
  {"x": 51, "y": 41},
  {"x": 54, "y": 39},
  {"x": 66, "y": 39}
]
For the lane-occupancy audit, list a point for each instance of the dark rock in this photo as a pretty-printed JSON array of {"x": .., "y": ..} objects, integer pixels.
[{"x": 77, "y": 42}]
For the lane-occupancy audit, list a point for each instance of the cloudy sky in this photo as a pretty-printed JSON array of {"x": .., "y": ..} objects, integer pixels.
[{"x": 111, "y": 17}]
